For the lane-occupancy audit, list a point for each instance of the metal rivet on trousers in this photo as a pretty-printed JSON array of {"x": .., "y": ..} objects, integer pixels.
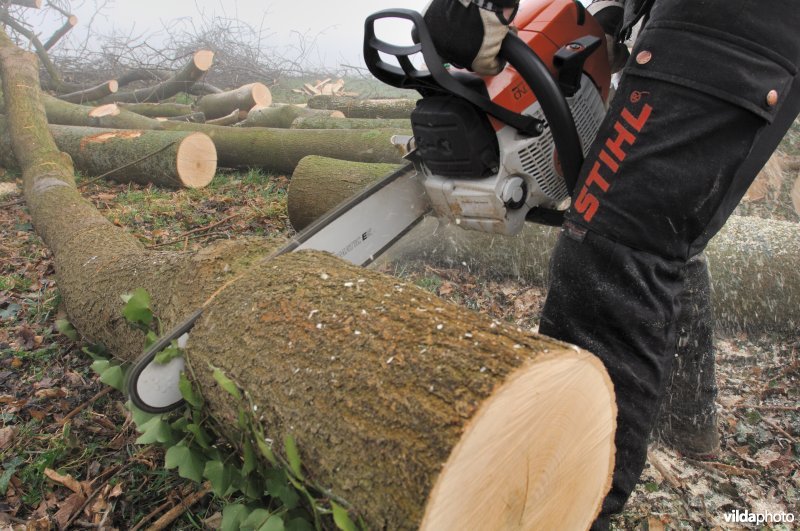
[
  {"x": 772, "y": 98},
  {"x": 643, "y": 57}
]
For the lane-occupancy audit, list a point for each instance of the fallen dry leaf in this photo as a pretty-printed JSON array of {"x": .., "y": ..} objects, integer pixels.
[
  {"x": 55, "y": 392},
  {"x": 796, "y": 195},
  {"x": 7, "y": 436},
  {"x": 68, "y": 508},
  {"x": 65, "y": 480}
]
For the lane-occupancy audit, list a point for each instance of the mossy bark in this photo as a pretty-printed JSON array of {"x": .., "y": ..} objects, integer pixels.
[
  {"x": 158, "y": 110},
  {"x": 65, "y": 113},
  {"x": 358, "y": 108},
  {"x": 91, "y": 94},
  {"x": 320, "y": 183},
  {"x": 281, "y": 116},
  {"x": 375, "y": 380},
  {"x": 322, "y": 122},
  {"x": 109, "y": 152}
]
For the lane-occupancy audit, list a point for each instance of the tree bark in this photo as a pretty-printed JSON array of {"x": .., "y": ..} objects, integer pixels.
[
  {"x": 281, "y": 149},
  {"x": 334, "y": 180},
  {"x": 358, "y": 108},
  {"x": 91, "y": 94},
  {"x": 70, "y": 23},
  {"x": 180, "y": 82},
  {"x": 411, "y": 409},
  {"x": 142, "y": 74},
  {"x": 64, "y": 113},
  {"x": 753, "y": 262},
  {"x": 193, "y": 118},
  {"x": 323, "y": 122},
  {"x": 158, "y": 110},
  {"x": 201, "y": 89},
  {"x": 283, "y": 116},
  {"x": 229, "y": 119},
  {"x": 168, "y": 159},
  {"x": 36, "y": 4},
  {"x": 244, "y": 98}
]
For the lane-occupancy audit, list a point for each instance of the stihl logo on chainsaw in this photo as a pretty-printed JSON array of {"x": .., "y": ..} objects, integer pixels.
[
  {"x": 354, "y": 244},
  {"x": 610, "y": 157}
]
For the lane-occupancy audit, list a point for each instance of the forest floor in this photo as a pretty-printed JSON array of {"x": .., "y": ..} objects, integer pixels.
[{"x": 68, "y": 457}]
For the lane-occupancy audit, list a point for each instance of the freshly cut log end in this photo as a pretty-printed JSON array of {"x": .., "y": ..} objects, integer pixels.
[
  {"x": 196, "y": 160},
  {"x": 261, "y": 94},
  {"x": 110, "y": 109},
  {"x": 203, "y": 59},
  {"x": 539, "y": 454}
]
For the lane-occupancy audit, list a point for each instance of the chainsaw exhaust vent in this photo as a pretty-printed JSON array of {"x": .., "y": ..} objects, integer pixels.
[{"x": 538, "y": 158}]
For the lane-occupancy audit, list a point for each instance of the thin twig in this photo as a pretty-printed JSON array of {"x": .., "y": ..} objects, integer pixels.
[
  {"x": 174, "y": 513},
  {"x": 662, "y": 469},
  {"x": 103, "y": 392},
  {"x": 184, "y": 235},
  {"x": 780, "y": 430},
  {"x": 128, "y": 165}
]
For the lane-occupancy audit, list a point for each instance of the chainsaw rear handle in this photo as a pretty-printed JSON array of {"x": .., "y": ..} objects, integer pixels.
[{"x": 437, "y": 79}]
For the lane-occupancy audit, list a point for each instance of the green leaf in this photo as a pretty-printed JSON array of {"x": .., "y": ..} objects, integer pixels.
[
  {"x": 227, "y": 384},
  {"x": 220, "y": 476},
  {"x": 651, "y": 487},
  {"x": 266, "y": 451},
  {"x": 155, "y": 431},
  {"x": 293, "y": 455},
  {"x": 113, "y": 376},
  {"x": 299, "y": 524},
  {"x": 278, "y": 487},
  {"x": 96, "y": 356},
  {"x": 252, "y": 487},
  {"x": 168, "y": 354},
  {"x": 233, "y": 516},
  {"x": 137, "y": 307},
  {"x": 190, "y": 463},
  {"x": 66, "y": 329},
  {"x": 150, "y": 338},
  {"x": 140, "y": 418},
  {"x": 188, "y": 393},
  {"x": 249, "y": 459},
  {"x": 256, "y": 519},
  {"x": 200, "y": 435},
  {"x": 99, "y": 366},
  {"x": 341, "y": 518},
  {"x": 275, "y": 523},
  {"x": 9, "y": 468}
]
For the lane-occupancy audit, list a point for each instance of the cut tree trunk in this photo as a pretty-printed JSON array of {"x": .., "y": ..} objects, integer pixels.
[
  {"x": 91, "y": 94},
  {"x": 142, "y": 74},
  {"x": 358, "y": 108},
  {"x": 335, "y": 180},
  {"x": 244, "y": 98},
  {"x": 753, "y": 262},
  {"x": 36, "y": 4},
  {"x": 201, "y": 89},
  {"x": 64, "y": 113},
  {"x": 168, "y": 159},
  {"x": 158, "y": 110},
  {"x": 411, "y": 409},
  {"x": 193, "y": 118},
  {"x": 323, "y": 122},
  {"x": 281, "y": 149},
  {"x": 70, "y": 23},
  {"x": 283, "y": 116},
  {"x": 230, "y": 119},
  {"x": 183, "y": 79}
]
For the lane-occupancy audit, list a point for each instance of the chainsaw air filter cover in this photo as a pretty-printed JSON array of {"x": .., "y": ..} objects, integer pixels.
[{"x": 454, "y": 138}]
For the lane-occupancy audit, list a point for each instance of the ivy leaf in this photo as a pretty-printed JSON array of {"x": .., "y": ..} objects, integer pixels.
[
  {"x": 188, "y": 393},
  {"x": 200, "y": 435},
  {"x": 293, "y": 455},
  {"x": 233, "y": 516},
  {"x": 227, "y": 384},
  {"x": 168, "y": 354},
  {"x": 263, "y": 520},
  {"x": 299, "y": 524},
  {"x": 220, "y": 476},
  {"x": 278, "y": 487},
  {"x": 190, "y": 464},
  {"x": 113, "y": 376},
  {"x": 150, "y": 338},
  {"x": 249, "y": 459},
  {"x": 99, "y": 366},
  {"x": 341, "y": 518},
  {"x": 266, "y": 451},
  {"x": 140, "y": 418},
  {"x": 66, "y": 329},
  {"x": 155, "y": 431},
  {"x": 137, "y": 307}
]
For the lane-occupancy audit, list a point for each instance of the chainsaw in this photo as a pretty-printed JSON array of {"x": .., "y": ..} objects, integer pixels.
[{"x": 487, "y": 153}]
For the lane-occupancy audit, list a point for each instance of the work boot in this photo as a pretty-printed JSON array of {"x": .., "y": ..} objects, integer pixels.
[{"x": 688, "y": 417}]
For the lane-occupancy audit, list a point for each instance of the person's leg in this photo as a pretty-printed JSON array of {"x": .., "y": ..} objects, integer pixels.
[
  {"x": 693, "y": 120},
  {"x": 688, "y": 417}
]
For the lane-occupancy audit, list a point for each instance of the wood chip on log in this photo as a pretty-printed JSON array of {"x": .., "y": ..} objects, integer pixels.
[{"x": 245, "y": 98}]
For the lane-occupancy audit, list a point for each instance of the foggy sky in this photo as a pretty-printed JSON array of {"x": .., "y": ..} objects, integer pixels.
[{"x": 338, "y": 25}]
